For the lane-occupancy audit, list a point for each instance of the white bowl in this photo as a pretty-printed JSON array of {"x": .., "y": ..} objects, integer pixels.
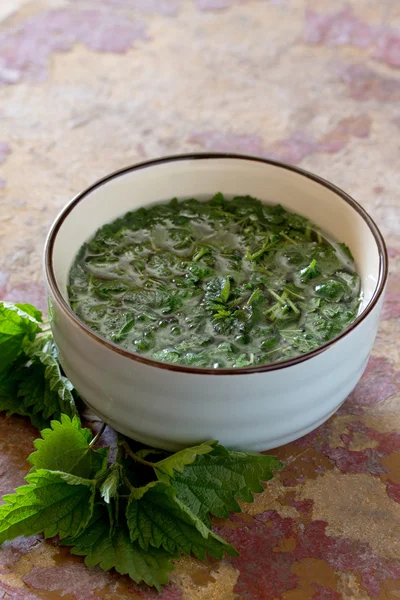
[{"x": 171, "y": 405}]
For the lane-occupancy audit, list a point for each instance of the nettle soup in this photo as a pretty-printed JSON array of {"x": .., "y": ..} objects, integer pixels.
[{"x": 215, "y": 283}]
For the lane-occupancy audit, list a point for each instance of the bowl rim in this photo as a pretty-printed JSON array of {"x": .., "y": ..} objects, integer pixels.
[{"x": 52, "y": 284}]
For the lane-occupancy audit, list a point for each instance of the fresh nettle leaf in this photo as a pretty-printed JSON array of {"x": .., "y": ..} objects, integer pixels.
[
  {"x": 28, "y": 309},
  {"x": 178, "y": 461},
  {"x": 133, "y": 515},
  {"x": 13, "y": 402},
  {"x": 122, "y": 517},
  {"x": 215, "y": 482},
  {"x": 32, "y": 386},
  {"x": 8, "y": 393},
  {"x": 110, "y": 492},
  {"x": 57, "y": 382},
  {"x": 31, "y": 381},
  {"x": 35, "y": 395},
  {"x": 117, "y": 552},
  {"x": 109, "y": 488},
  {"x": 156, "y": 517},
  {"x": 53, "y": 503},
  {"x": 43, "y": 342},
  {"x": 17, "y": 325},
  {"x": 66, "y": 447}
]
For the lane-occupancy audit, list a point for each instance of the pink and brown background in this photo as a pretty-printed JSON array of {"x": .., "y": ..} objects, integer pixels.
[{"x": 88, "y": 86}]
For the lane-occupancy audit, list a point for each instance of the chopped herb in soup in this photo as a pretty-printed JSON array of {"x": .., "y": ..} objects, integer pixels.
[{"x": 217, "y": 283}]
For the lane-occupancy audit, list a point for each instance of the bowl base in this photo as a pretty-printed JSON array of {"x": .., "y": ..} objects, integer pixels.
[{"x": 171, "y": 446}]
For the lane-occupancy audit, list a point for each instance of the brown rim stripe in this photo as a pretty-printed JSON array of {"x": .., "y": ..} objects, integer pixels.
[{"x": 49, "y": 267}]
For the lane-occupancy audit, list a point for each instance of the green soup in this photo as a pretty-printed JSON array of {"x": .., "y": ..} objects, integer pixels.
[{"x": 217, "y": 283}]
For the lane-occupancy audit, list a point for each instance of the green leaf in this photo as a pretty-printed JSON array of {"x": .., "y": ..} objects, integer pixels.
[
  {"x": 65, "y": 447},
  {"x": 244, "y": 360},
  {"x": 226, "y": 289},
  {"x": 265, "y": 248},
  {"x": 309, "y": 272},
  {"x": 24, "y": 390},
  {"x": 8, "y": 392},
  {"x": 9, "y": 400},
  {"x": 109, "y": 488},
  {"x": 51, "y": 403},
  {"x": 117, "y": 551},
  {"x": 109, "y": 493},
  {"x": 214, "y": 482},
  {"x": 42, "y": 343},
  {"x": 16, "y": 326},
  {"x": 255, "y": 297},
  {"x": 177, "y": 461},
  {"x": 330, "y": 289},
  {"x": 145, "y": 452},
  {"x": 31, "y": 381},
  {"x": 31, "y": 310},
  {"x": 52, "y": 503},
  {"x": 57, "y": 382},
  {"x": 156, "y": 517},
  {"x": 346, "y": 250},
  {"x": 32, "y": 387}
]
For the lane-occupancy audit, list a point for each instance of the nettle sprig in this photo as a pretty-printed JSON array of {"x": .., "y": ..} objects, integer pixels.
[{"x": 135, "y": 513}]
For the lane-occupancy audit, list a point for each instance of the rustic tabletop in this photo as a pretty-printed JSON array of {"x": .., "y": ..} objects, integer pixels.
[{"x": 87, "y": 87}]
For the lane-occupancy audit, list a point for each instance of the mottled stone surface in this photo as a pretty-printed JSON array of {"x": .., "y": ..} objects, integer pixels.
[{"x": 87, "y": 87}]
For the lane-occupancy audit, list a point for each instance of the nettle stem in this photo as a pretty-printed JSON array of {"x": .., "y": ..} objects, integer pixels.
[
  {"x": 98, "y": 435},
  {"x": 127, "y": 482},
  {"x": 134, "y": 456},
  {"x": 44, "y": 334}
]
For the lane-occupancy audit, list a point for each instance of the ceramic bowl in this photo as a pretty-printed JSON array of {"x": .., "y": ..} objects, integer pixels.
[{"x": 170, "y": 405}]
